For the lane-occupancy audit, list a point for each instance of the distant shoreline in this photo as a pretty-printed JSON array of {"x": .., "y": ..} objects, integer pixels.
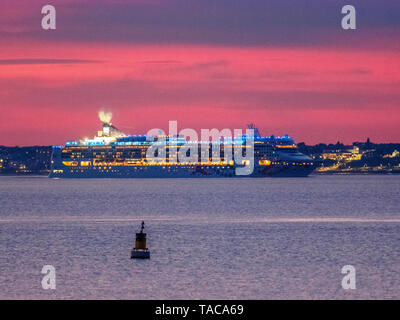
[
  {"x": 343, "y": 173},
  {"x": 332, "y": 173}
]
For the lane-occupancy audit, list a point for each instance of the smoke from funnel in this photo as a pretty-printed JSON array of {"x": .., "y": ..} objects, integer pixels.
[{"x": 105, "y": 116}]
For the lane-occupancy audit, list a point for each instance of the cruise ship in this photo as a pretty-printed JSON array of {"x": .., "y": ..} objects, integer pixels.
[{"x": 112, "y": 154}]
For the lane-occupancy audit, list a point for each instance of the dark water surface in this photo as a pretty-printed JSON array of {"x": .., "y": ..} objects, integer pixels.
[{"x": 209, "y": 238}]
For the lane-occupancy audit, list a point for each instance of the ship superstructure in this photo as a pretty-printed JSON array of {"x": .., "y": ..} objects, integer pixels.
[{"x": 112, "y": 154}]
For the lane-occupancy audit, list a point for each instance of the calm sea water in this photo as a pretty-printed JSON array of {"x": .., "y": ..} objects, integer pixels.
[{"x": 209, "y": 238}]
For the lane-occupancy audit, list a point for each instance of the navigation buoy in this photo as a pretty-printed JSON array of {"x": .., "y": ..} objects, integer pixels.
[{"x": 140, "y": 251}]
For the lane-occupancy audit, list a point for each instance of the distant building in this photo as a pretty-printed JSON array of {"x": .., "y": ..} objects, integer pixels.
[
  {"x": 25, "y": 160},
  {"x": 394, "y": 154},
  {"x": 346, "y": 156}
]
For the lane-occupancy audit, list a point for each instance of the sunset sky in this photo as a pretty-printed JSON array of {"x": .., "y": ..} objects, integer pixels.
[{"x": 286, "y": 65}]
